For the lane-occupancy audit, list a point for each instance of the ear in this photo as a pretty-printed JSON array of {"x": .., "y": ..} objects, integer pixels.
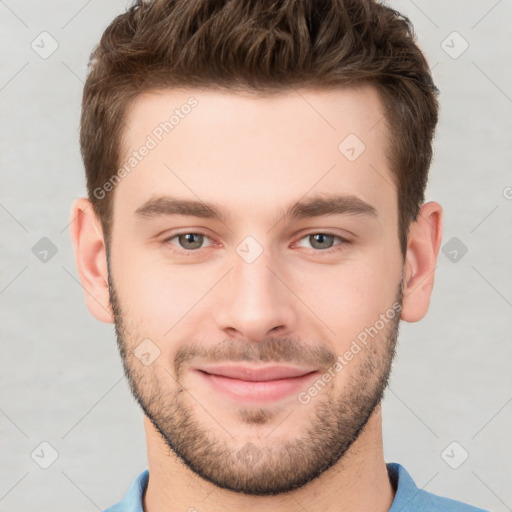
[
  {"x": 420, "y": 262},
  {"x": 91, "y": 260}
]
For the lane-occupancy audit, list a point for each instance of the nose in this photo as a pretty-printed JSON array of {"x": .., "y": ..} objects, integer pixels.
[{"x": 255, "y": 300}]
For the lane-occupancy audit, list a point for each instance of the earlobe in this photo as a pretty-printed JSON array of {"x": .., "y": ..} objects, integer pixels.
[
  {"x": 422, "y": 250},
  {"x": 90, "y": 257}
]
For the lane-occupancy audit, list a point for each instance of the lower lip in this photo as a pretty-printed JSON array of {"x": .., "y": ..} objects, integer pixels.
[{"x": 259, "y": 391}]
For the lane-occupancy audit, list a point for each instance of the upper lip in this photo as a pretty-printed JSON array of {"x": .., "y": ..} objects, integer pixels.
[{"x": 256, "y": 373}]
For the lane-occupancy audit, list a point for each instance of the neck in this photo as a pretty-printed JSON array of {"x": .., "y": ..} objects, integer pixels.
[{"x": 359, "y": 481}]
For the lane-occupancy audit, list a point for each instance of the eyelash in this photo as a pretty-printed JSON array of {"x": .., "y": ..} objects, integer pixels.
[{"x": 335, "y": 248}]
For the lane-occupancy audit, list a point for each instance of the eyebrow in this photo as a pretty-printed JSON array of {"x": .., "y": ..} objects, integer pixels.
[{"x": 314, "y": 207}]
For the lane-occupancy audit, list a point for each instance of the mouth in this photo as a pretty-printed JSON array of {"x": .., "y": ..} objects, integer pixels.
[{"x": 256, "y": 383}]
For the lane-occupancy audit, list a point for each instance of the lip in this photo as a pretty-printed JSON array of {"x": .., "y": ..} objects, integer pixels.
[
  {"x": 256, "y": 384},
  {"x": 256, "y": 373}
]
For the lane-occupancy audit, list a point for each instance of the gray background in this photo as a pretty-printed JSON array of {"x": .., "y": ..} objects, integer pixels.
[{"x": 61, "y": 377}]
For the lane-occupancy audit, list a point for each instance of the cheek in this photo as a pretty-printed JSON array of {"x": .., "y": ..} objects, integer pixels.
[
  {"x": 346, "y": 296},
  {"x": 156, "y": 295},
  {"x": 350, "y": 296}
]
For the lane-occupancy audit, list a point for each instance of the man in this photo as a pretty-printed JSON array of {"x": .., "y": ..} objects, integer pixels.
[{"x": 256, "y": 229}]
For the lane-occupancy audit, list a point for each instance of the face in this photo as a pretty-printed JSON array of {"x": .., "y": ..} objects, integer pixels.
[{"x": 252, "y": 233}]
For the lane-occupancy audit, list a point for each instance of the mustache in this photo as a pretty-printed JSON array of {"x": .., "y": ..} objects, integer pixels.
[{"x": 278, "y": 350}]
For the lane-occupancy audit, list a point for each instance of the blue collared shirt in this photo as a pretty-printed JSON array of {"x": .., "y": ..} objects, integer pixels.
[{"x": 408, "y": 498}]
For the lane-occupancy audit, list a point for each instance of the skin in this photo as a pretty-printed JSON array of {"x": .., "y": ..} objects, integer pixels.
[{"x": 253, "y": 156}]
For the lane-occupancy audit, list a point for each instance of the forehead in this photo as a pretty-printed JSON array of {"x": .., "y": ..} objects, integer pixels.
[{"x": 255, "y": 153}]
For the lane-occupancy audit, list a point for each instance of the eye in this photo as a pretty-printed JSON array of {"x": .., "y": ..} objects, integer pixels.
[
  {"x": 190, "y": 241},
  {"x": 187, "y": 241},
  {"x": 324, "y": 241}
]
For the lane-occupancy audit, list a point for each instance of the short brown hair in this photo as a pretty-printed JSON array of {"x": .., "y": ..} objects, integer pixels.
[{"x": 262, "y": 46}]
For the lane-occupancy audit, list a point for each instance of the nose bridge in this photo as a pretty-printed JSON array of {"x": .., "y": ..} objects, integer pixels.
[
  {"x": 252, "y": 278},
  {"x": 252, "y": 281}
]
